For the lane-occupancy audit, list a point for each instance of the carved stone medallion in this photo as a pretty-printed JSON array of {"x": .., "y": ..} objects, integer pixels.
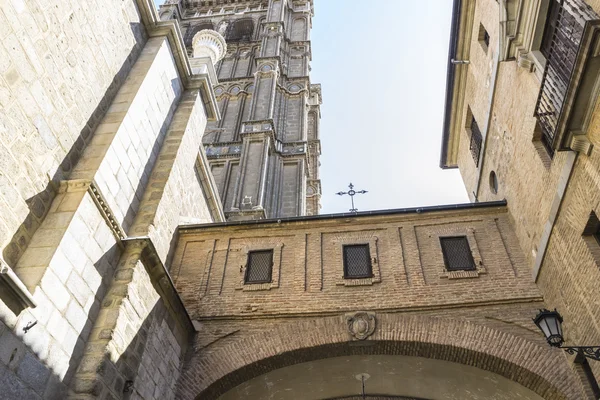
[{"x": 361, "y": 324}]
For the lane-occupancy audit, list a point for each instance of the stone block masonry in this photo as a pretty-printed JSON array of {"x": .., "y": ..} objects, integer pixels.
[
  {"x": 61, "y": 65},
  {"x": 102, "y": 313}
]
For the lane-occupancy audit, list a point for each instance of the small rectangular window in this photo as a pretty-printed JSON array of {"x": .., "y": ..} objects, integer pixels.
[
  {"x": 476, "y": 140},
  {"x": 457, "y": 253},
  {"x": 357, "y": 261},
  {"x": 483, "y": 38},
  {"x": 260, "y": 267}
]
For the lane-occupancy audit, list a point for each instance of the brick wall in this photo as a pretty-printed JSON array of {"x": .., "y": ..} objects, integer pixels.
[
  {"x": 409, "y": 263},
  {"x": 530, "y": 181}
]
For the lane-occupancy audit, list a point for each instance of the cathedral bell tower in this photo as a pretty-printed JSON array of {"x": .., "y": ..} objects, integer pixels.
[{"x": 264, "y": 151}]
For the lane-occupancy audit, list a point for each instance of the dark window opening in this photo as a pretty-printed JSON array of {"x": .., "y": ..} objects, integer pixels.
[
  {"x": 260, "y": 267},
  {"x": 192, "y": 30},
  {"x": 240, "y": 30},
  {"x": 484, "y": 38},
  {"x": 457, "y": 253},
  {"x": 592, "y": 228},
  {"x": 476, "y": 140},
  {"x": 357, "y": 261}
]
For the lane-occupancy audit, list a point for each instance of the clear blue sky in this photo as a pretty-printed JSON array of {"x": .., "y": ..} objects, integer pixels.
[{"x": 383, "y": 71}]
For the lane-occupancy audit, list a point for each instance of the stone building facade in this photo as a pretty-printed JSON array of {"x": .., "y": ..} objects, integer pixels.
[
  {"x": 144, "y": 257},
  {"x": 522, "y": 124},
  {"x": 101, "y": 121},
  {"x": 264, "y": 151}
]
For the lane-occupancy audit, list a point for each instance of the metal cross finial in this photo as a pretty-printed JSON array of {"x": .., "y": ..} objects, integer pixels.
[{"x": 351, "y": 193}]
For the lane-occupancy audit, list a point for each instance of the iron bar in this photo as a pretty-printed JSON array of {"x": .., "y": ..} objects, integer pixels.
[{"x": 352, "y": 193}]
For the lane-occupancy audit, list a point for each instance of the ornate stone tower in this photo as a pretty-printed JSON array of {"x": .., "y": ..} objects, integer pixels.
[{"x": 264, "y": 151}]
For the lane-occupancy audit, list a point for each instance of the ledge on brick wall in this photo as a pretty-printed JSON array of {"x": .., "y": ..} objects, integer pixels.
[
  {"x": 13, "y": 292},
  {"x": 162, "y": 282}
]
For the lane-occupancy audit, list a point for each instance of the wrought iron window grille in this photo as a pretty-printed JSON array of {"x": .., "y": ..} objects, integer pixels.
[
  {"x": 259, "y": 268},
  {"x": 357, "y": 261},
  {"x": 457, "y": 253},
  {"x": 561, "y": 42},
  {"x": 476, "y": 140}
]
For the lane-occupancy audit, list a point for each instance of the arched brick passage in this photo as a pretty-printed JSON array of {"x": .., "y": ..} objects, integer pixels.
[{"x": 535, "y": 366}]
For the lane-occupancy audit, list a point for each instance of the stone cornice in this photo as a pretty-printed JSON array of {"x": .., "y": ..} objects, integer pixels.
[
  {"x": 460, "y": 43},
  {"x": 107, "y": 214},
  {"x": 535, "y": 298}
]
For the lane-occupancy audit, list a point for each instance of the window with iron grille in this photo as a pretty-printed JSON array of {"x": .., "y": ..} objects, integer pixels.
[
  {"x": 259, "y": 268},
  {"x": 476, "y": 139},
  {"x": 561, "y": 42},
  {"x": 457, "y": 253},
  {"x": 357, "y": 261},
  {"x": 240, "y": 30}
]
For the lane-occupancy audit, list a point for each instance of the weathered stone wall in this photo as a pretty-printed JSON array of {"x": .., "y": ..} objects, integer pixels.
[
  {"x": 531, "y": 181},
  {"x": 62, "y": 64},
  {"x": 104, "y": 316},
  {"x": 68, "y": 297},
  {"x": 264, "y": 79},
  {"x": 137, "y": 344}
]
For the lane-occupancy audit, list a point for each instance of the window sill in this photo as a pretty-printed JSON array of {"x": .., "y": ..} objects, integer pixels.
[
  {"x": 461, "y": 274},
  {"x": 254, "y": 287},
  {"x": 358, "y": 281}
]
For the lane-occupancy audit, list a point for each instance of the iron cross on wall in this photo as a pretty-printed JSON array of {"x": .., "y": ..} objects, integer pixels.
[{"x": 351, "y": 193}]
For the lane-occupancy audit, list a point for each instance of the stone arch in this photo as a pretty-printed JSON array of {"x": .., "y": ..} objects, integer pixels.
[{"x": 531, "y": 364}]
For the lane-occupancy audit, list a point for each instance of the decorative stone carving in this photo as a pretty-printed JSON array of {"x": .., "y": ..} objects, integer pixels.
[
  {"x": 361, "y": 324},
  {"x": 209, "y": 43}
]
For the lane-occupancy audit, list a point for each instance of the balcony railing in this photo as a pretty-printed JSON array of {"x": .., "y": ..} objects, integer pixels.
[{"x": 564, "y": 30}]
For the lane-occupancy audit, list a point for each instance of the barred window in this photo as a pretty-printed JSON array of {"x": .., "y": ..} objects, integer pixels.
[
  {"x": 476, "y": 139},
  {"x": 259, "y": 268},
  {"x": 457, "y": 253},
  {"x": 357, "y": 261}
]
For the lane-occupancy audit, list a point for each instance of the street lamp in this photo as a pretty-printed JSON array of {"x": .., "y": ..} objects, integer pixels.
[{"x": 550, "y": 323}]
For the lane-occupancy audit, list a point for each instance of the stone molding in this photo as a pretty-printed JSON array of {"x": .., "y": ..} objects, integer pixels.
[
  {"x": 107, "y": 214},
  {"x": 209, "y": 43},
  {"x": 361, "y": 324}
]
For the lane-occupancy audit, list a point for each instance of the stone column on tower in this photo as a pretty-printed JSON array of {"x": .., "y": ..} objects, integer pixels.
[{"x": 264, "y": 151}]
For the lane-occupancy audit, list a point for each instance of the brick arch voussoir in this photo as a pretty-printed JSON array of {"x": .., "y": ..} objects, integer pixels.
[{"x": 538, "y": 368}]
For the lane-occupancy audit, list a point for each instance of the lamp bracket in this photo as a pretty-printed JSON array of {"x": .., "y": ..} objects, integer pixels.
[{"x": 592, "y": 352}]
